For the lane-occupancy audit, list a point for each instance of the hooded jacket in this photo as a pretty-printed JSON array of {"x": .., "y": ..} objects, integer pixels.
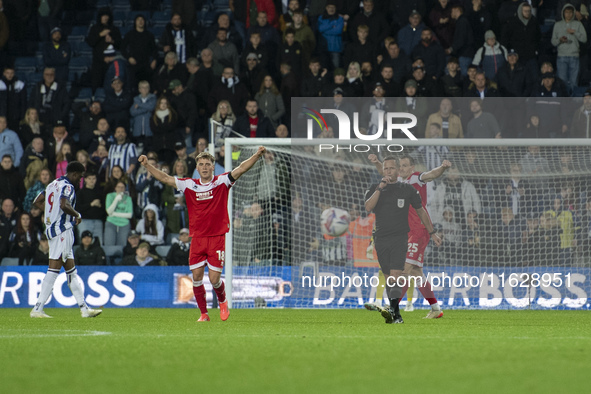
[
  {"x": 572, "y": 45},
  {"x": 523, "y": 35},
  {"x": 157, "y": 239},
  {"x": 98, "y": 43}
]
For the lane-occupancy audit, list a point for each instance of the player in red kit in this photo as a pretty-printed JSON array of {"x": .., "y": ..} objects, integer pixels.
[
  {"x": 207, "y": 204},
  {"x": 418, "y": 237}
]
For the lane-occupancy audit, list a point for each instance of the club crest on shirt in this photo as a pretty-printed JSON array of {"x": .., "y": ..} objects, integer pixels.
[
  {"x": 401, "y": 203},
  {"x": 208, "y": 195}
]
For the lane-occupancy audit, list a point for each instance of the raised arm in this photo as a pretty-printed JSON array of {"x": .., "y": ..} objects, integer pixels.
[
  {"x": 436, "y": 172},
  {"x": 156, "y": 173},
  {"x": 376, "y": 162},
  {"x": 247, "y": 164},
  {"x": 372, "y": 201}
]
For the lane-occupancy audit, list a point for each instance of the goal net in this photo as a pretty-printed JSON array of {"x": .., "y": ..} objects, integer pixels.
[{"x": 514, "y": 216}]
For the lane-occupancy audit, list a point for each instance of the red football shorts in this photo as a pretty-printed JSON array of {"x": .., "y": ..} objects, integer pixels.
[
  {"x": 417, "y": 243},
  {"x": 208, "y": 250}
]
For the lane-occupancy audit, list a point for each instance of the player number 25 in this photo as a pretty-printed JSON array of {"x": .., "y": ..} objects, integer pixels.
[{"x": 412, "y": 248}]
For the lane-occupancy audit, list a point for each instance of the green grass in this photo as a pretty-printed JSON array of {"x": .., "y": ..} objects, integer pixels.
[{"x": 294, "y": 351}]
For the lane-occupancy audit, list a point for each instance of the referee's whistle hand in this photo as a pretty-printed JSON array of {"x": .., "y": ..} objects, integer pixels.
[{"x": 386, "y": 179}]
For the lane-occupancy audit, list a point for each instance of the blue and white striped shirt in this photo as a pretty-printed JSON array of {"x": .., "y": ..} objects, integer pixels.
[
  {"x": 56, "y": 220},
  {"x": 122, "y": 155}
]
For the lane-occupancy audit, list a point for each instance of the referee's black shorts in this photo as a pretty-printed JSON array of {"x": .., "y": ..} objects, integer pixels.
[{"x": 391, "y": 252}]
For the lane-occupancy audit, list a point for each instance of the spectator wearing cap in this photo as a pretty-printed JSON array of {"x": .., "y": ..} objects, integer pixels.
[
  {"x": 185, "y": 105},
  {"x": 252, "y": 123},
  {"x": 432, "y": 54},
  {"x": 567, "y": 36},
  {"x": 259, "y": 49},
  {"x": 523, "y": 34},
  {"x": 225, "y": 52},
  {"x": 117, "y": 104},
  {"x": 50, "y": 98},
  {"x": 338, "y": 77},
  {"x": 171, "y": 69},
  {"x": 411, "y": 104},
  {"x": 491, "y": 56},
  {"x": 140, "y": 50},
  {"x": 451, "y": 81},
  {"x": 90, "y": 251},
  {"x": 54, "y": 143},
  {"x": 133, "y": 241},
  {"x": 177, "y": 38},
  {"x": 410, "y": 35},
  {"x": 117, "y": 67},
  {"x": 580, "y": 126},
  {"x": 513, "y": 79},
  {"x": 252, "y": 75},
  {"x": 181, "y": 154},
  {"x": 102, "y": 34},
  {"x": 143, "y": 257},
  {"x": 123, "y": 153},
  {"x": 330, "y": 27},
  {"x": 270, "y": 101},
  {"x": 141, "y": 111},
  {"x": 178, "y": 254},
  {"x": 426, "y": 86},
  {"x": 315, "y": 80},
  {"x": 91, "y": 205},
  {"x": 462, "y": 45},
  {"x": 57, "y": 54},
  {"x": 440, "y": 20}
]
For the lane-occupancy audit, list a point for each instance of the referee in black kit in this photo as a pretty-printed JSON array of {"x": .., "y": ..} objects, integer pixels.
[{"x": 390, "y": 201}]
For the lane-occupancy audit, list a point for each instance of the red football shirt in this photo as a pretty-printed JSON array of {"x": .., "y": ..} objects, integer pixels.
[
  {"x": 207, "y": 204},
  {"x": 413, "y": 218}
]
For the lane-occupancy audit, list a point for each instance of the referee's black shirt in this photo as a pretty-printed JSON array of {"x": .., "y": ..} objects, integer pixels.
[{"x": 392, "y": 208}]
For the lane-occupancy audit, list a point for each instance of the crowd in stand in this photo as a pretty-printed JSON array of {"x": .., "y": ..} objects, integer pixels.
[{"x": 158, "y": 92}]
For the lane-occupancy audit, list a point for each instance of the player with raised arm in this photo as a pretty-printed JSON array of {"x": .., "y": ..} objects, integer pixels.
[
  {"x": 418, "y": 237},
  {"x": 391, "y": 200},
  {"x": 58, "y": 200},
  {"x": 207, "y": 203}
]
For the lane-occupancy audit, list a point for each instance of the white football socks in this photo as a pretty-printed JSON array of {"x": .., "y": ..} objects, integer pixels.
[
  {"x": 75, "y": 287},
  {"x": 46, "y": 289}
]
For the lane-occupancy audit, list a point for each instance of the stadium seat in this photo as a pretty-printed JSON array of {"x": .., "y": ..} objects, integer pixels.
[
  {"x": 33, "y": 78},
  {"x": 162, "y": 250},
  {"x": 9, "y": 261},
  {"x": 100, "y": 95},
  {"x": 25, "y": 65},
  {"x": 84, "y": 95},
  {"x": 161, "y": 16},
  {"x": 79, "y": 30}
]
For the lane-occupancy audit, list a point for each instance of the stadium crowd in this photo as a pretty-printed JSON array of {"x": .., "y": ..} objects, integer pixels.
[{"x": 104, "y": 81}]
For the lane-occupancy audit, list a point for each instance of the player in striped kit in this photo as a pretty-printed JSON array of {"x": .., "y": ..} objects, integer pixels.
[
  {"x": 207, "y": 203},
  {"x": 418, "y": 237},
  {"x": 59, "y": 199}
]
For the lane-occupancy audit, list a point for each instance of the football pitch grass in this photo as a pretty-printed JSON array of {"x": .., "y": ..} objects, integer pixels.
[{"x": 294, "y": 351}]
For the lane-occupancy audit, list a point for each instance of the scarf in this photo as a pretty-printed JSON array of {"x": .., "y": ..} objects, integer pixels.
[{"x": 162, "y": 114}]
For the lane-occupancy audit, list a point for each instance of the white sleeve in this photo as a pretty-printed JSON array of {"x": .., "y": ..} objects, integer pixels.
[
  {"x": 181, "y": 184},
  {"x": 225, "y": 179}
]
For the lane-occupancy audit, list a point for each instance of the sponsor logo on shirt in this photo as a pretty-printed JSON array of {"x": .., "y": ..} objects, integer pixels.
[{"x": 204, "y": 195}]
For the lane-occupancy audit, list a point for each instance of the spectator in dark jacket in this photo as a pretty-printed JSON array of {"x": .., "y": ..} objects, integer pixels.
[
  {"x": 314, "y": 82},
  {"x": 397, "y": 60},
  {"x": 185, "y": 106},
  {"x": 133, "y": 241},
  {"x": 51, "y": 99},
  {"x": 88, "y": 120},
  {"x": 253, "y": 123},
  {"x": 442, "y": 23},
  {"x": 117, "y": 104},
  {"x": 139, "y": 48},
  {"x": 117, "y": 67},
  {"x": 90, "y": 251},
  {"x": 548, "y": 108},
  {"x": 410, "y": 35},
  {"x": 361, "y": 49},
  {"x": 452, "y": 80},
  {"x": 102, "y": 34},
  {"x": 32, "y": 162},
  {"x": 171, "y": 69},
  {"x": 253, "y": 74},
  {"x": 178, "y": 39},
  {"x": 199, "y": 83},
  {"x": 513, "y": 79},
  {"x": 462, "y": 45},
  {"x": 178, "y": 253},
  {"x": 91, "y": 205},
  {"x": 523, "y": 34},
  {"x": 368, "y": 16},
  {"x": 11, "y": 182},
  {"x": 143, "y": 257},
  {"x": 229, "y": 88},
  {"x": 224, "y": 22},
  {"x": 480, "y": 19},
  {"x": 13, "y": 98},
  {"x": 57, "y": 54},
  {"x": 432, "y": 54},
  {"x": 163, "y": 124}
]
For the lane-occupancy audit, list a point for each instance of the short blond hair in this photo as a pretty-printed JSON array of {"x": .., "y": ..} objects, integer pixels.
[{"x": 205, "y": 155}]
